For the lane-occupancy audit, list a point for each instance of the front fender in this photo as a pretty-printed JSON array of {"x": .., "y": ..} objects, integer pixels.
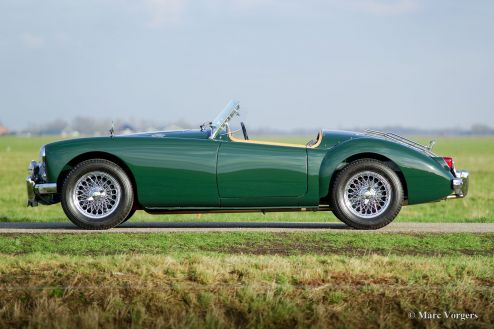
[
  {"x": 59, "y": 154},
  {"x": 426, "y": 180}
]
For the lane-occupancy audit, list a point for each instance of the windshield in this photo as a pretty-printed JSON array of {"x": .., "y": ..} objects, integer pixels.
[{"x": 222, "y": 119}]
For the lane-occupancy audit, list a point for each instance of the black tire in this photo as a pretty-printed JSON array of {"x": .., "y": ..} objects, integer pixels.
[
  {"x": 352, "y": 198},
  {"x": 131, "y": 213},
  {"x": 104, "y": 182}
]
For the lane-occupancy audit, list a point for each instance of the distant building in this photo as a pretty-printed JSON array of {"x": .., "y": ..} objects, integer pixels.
[{"x": 3, "y": 130}]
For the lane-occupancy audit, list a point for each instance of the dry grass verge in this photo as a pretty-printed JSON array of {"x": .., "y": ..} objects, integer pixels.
[{"x": 163, "y": 291}]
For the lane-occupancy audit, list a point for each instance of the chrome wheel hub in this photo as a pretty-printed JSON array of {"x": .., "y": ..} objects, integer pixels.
[
  {"x": 96, "y": 194},
  {"x": 367, "y": 194}
]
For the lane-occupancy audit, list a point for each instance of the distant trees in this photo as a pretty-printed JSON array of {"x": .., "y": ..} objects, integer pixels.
[
  {"x": 99, "y": 127},
  {"x": 88, "y": 126},
  {"x": 481, "y": 129}
]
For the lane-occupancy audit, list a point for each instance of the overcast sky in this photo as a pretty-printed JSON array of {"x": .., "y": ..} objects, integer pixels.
[{"x": 291, "y": 64}]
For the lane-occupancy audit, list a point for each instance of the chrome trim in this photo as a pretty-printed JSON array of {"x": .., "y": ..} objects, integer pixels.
[
  {"x": 36, "y": 191},
  {"x": 402, "y": 140},
  {"x": 31, "y": 196},
  {"x": 42, "y": 153},
  {"x": 42, "y": 163},
  {"x": 42, "y": 172},
  {"x": 459, "y": 184},
  {"x": 96, "y": 194},
  {"x": 46, "y": 188},
  {"x": 32, "y": 168},
  {"x": 431, "y": 145},
  {"x": 367, "y": 194},
  {"x": 231, "y": 109}
]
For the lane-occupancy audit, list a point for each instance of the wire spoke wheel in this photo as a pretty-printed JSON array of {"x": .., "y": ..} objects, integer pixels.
[
  {"x": 96, "y": 194},
  {"x": 367, "y": 194}
]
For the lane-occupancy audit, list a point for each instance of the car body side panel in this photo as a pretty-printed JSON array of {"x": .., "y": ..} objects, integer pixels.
[
  {"x": 426, "y": 179},
  {"x": 181, "y": 172},
  {"x": 256, "y": 174},
  {"x": 168, "y": 171},
  {"x": 315, "y": 157}
]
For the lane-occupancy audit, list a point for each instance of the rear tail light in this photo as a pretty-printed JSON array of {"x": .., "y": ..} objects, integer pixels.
[{"x": 449, "y": 161}]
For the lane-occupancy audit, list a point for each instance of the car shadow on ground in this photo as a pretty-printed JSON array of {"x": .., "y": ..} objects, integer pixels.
[
  {"x": 176, "y": 225},
  {"x": 235, "y": 225}
]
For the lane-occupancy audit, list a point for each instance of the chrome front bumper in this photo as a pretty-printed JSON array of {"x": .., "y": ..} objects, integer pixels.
[
  {"x": 459, "y": 184},
  {"x": 44, "y": 193}
]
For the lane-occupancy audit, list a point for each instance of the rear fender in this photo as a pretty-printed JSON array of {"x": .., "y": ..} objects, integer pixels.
[{"x": 426, "y": 180}]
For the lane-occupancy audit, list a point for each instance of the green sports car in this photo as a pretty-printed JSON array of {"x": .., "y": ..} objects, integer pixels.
[{"x": 363, "y": 178}]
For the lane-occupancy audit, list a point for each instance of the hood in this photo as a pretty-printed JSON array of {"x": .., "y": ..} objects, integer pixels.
[{"x": 189, "y": 133}]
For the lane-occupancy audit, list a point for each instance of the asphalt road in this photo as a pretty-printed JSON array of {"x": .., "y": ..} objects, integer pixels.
[{"x": 166, "y": 227}]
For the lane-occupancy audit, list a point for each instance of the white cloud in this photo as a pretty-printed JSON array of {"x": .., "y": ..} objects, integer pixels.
[
  {"x": 32, "y": 41},
  {"x": 386, "y": 8}
]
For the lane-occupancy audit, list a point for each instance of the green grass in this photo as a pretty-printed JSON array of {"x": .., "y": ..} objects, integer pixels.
[
  {"x": 475, "y": 154},
  {"x": 244, "y": 280},
  {"x": 242, "y": 291},
  {"x": 250, "y": 243}
]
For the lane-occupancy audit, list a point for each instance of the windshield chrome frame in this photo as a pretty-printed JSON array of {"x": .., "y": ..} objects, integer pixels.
[{"x": 231, "y": 109}]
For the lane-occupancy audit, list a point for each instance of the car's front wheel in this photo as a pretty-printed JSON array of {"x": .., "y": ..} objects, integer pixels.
[
  {"x": 97, "y": 195},
  {"x": 367, "y": 194}
]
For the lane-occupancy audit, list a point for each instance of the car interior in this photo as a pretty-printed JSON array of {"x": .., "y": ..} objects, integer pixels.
[{"x": 313, "y": 143}]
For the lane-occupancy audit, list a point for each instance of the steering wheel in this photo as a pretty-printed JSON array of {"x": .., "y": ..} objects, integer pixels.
[{"x": 246, "y": 137}]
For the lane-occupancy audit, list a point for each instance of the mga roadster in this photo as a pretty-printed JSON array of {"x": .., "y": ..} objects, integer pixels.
[{"x": 363, "y": 178}]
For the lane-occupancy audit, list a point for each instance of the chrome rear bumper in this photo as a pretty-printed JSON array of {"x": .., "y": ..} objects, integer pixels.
[{"x": 459, "y": 184}]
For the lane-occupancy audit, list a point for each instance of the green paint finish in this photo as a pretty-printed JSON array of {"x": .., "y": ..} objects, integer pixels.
[
  {"x": 186, "y": 169},
  {"x": 315, "y": 158},
  {"x": 167, "y": 171},
  {"x": 256, "y": 170},
  {"x": 426, "y": 179},
  {"x": 334, "y": 137}
]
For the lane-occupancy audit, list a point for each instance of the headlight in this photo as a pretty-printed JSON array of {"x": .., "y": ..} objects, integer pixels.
[
  {"x": 42, "y": 154},
  {"x": 32, "y": 169},
  {"x": 42, "y": 172},
  {"x": 42, "y": 164}
]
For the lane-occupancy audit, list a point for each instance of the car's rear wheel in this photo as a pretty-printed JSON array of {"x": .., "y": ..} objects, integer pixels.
[
  {"x": 367, "y": 194},
  {"x": 131, "y": 213},
  {"x": 97, "y": 195}
]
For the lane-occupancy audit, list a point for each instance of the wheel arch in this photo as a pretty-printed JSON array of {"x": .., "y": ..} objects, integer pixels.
[
  {"x": 99, "y": 155},
  {"x": 424, "y": 179},
  {"x": 369, "y": 155}
]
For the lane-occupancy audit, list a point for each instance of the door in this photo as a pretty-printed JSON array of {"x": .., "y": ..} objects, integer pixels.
[{"x": 252, "y": 174}]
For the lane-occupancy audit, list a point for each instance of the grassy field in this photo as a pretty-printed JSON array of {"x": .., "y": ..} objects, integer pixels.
[
  {"x": 475, "y": 154},
  {"x": 253, "y": 243},
  {"x": 245, "y": 280}
]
